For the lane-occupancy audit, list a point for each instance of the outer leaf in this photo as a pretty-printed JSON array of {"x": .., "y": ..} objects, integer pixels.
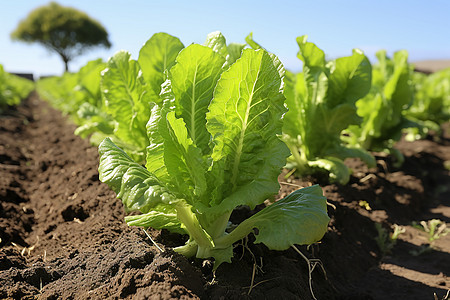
[
  {"x": 251, "y": 42},
  {"x": 137, "y": 187},
  {"x": 350, "y": 79},
  {"x": 94, "y": 120},
  {"x": 382, "y": 108},
  {"x": 89, "y": 81},
  {"x": 183, "y": 160},
  {"x": 244, "y": 119},
  {"x": 234, "y": 52},
  {"x": 338, "y": 171},
  {"x": 321, "y": 102},
  {"x": 193, "y": 80},
  {"x": 59, "y": 91},
  {"x": 300, "y": 218},
  {"x": 155, "y": 151},
  {"x": 431, "y": 106},
  {"x": 276, "y": 61},
  {"x": 216, "y": 41},
  {"x": 293, "y": 118},
  {"x": 160, "y": 218},
  {"x": 309, "y": 53},
  {"x": 126, "y": 100},
  {"x": 155, "y": 57}
]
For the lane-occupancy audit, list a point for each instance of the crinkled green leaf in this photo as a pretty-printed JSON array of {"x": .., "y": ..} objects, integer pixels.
[
  {"x": 126, "y": 101},
  {"x": 93, "y": 120},
  {"x": 234, "y": 52},
  {"x": 155, "y": 151},
  {"x": 300, "y": 218},
  {"x": 155, "y": 57},
  {"x": 217, "y": 42},
  {"x": 350, "y": 79},
  {"x": 382, "y": 109},
  {"x": 183, "y": 160},
  {"x": 321, "y": 102},
  {"x": 431, "y": 105},
  {"x": 276, "y": 61},
  {"x": 311, "y": 55},
  {"x": 244, "y": 119},
  {"x": 137, "y": 187},
  {"x": 163, "y": 217},
  {"x": 193, "y": 79},
  {"x": 89, "y": 81}
]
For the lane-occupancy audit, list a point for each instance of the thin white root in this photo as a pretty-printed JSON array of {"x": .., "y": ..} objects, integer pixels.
[
  {"x": 154, "y": 243},
  {"x": 291, "y": 184},
  {"x": 26, "y": 251},
  {"x": 332, "y": 205},
  {"x": 312, "y": 263},
  {"x": 256, "y": 267},
  {"x": 384, "y": 165},
  {"x": 446, "y": 297},
  {"x": 253, "y": 279},
  {"x": 213, "y": 281},
  {"x": 367, "y": 177}
]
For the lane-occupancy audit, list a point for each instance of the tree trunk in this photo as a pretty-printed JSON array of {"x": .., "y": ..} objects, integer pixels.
[
  {"x": 65, "y": 60},
  {"x": 66, "y": 64}
]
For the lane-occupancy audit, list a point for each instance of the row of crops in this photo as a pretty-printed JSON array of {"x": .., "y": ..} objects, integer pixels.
[
  {"x": 13, "y": 89},
  {"x": 213, "y": 125},
  {"x": 355, "y": 106}
]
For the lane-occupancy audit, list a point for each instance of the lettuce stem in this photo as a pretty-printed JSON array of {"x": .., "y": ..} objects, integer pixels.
[{"x": 193, "y": 227}]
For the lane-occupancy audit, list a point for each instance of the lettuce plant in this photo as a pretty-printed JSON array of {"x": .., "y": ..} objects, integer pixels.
[
  {"x": 431, "y": 105},
  {"x": 130, "y": 88},
  {"x": 382, "y": 109},
  {"x": 78, "y": 95},
  {"x": 13, "y": 89},
  {"x": 321, "y": 102},
  {"x": 213, "y": 146}
]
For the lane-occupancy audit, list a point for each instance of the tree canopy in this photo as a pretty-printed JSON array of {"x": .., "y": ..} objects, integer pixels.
[{"x": 65, "y": 30}]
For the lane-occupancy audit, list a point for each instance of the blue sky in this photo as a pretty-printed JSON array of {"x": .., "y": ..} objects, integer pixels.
[{"x": 421, "y": 27}]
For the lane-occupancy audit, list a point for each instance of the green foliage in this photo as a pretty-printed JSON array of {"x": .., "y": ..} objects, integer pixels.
[
  {"x": 321, "y": 101},
  {"x": 382, "y": 109},
  {"x": 131, "y": 88},
  {"x": 431, "y": 106},
  {"x": 108, "y": 99},
  {"x": 212, "y": 146},
  {"x": 65, "y": 30},
  {"x": 13, "y": 89},
  {"x": 78, "y": 95}
]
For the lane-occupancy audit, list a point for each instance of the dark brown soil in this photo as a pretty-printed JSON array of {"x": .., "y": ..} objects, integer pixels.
[{"x": 63, "y": 235}]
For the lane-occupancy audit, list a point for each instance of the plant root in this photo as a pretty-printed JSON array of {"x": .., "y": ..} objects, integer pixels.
[
  {"x": 154, "y": 243},
  {"x": 312, "y": 263},
  {"x": 446, "y": 297}
]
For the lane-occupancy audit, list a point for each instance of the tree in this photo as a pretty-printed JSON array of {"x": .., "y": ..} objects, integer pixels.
[{"x": 65, "y": 30}]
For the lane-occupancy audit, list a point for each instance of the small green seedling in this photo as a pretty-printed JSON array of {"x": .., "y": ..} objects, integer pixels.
[
  {"x": 435, "y": 228},
  {"x": 386, "y": 241}
]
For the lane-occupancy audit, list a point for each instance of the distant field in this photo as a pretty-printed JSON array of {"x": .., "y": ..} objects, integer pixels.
[{"x": 432, "y": 65}]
